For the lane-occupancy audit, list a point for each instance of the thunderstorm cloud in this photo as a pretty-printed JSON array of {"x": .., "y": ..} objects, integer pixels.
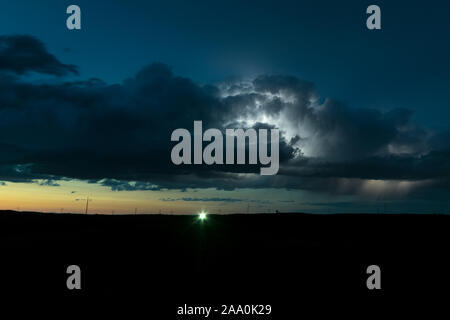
[{"x": 118, "y": 135}]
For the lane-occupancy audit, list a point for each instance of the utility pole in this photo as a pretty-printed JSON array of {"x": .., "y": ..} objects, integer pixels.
[{"x": 87, "y": 204}]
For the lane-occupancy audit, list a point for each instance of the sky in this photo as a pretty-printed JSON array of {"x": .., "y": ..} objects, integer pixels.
[{"x": 363, "y": 113}]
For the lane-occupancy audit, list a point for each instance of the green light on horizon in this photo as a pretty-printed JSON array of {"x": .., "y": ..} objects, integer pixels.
[{"x": 202, "y": 216}]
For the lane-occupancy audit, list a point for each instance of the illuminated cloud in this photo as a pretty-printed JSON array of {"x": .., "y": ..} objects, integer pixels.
[{"x": 119, "y": 135}]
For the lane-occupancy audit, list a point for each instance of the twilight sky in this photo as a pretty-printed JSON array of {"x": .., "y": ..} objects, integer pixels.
[{"x": 364, "y": 114}]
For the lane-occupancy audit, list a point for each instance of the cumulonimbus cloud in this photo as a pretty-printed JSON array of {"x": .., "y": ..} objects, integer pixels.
[{"x": 119, "y": 135}]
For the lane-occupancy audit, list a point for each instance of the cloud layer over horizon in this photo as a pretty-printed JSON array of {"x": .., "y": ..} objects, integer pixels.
[{"x": 118, "y": 135}]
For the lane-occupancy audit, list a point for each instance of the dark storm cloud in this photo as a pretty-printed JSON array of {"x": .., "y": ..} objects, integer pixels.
[
  {"x": 22, "y": 173},
  {"x": 433, "y": 165},
  {"x": 213, "y": 199},
  {"x": 20, "y": 54},
  {"x": 90, "y": 130},
  {"x": 116, "y": 185},
  {"x": 49, "y": 183},
  {"x": 203, "y": 199},
  {"x": 119, "y": 135}
]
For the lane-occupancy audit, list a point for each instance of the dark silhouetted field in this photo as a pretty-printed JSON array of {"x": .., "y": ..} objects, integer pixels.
[{"x": 287, "y": 260}]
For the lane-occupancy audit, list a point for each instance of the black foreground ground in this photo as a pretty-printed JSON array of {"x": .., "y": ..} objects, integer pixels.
[{"x": 161, "y": 262}]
